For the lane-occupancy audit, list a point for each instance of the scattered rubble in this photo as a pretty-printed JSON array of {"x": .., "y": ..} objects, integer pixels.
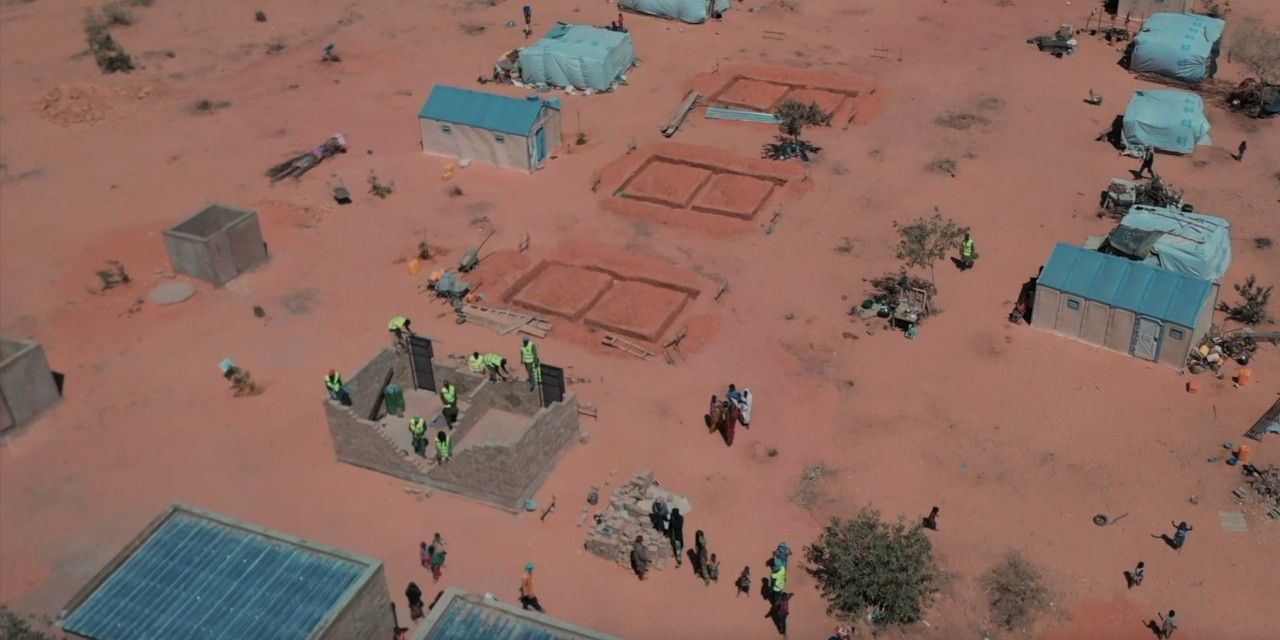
[{"x": 627, "y": 516}]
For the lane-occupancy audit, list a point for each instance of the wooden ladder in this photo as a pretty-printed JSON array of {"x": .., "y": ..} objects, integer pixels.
[
  {"x": 505, "y": 321},
  {"x": 622, "y": 344}
]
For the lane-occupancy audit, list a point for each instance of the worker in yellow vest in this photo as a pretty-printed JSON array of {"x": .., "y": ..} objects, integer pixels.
[
  {"x": 449, "y": 398},
  {"x": 418, "y": 429},
  {"x": 968, "y": 253},
  {"x": 444, "y": 446},
  {"x": 778, "y": 580},
  {"x": 493, "y": 363},
  {"x": 337, "y": 390},
  {"x": 532, "y": 366},
  {"x": 400, "y": 331}
]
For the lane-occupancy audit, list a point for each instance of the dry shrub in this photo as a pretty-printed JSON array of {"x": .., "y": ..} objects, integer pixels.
[
  {"x": 960, "y": 120},
  {"x": 1016, "y": 592},
  {"x": 1257, "y": 47},
  {"x": 946, "y": 166},
  {"x": 204, "y": 106}
]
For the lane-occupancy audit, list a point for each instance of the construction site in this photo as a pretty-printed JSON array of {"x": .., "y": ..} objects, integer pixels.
[{"x": 998, "y": 272}]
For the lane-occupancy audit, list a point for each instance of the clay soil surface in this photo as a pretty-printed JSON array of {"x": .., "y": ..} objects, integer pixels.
[
  {"x": 1019, "y": 436},
  {"x": 638, "y": 309},
  {"x": 562, "y": 290},
  {"x": 667, "y": 182},
  {"x": 733, "y": 194}
]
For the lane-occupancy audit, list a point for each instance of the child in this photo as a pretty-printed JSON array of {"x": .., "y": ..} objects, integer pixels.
[
  {"x": 713, "y": 569},
  {"x": 931, "y": 520},
  {"x": 744, "y": 582}
]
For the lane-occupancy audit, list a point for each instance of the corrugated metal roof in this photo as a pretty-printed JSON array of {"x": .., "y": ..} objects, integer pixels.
[
  {"x": 469, "y": 617},
  {"x": 482, "y": 110},
  {"x": 199, "y": 579},
  {"x": 1125, "y": 284}
]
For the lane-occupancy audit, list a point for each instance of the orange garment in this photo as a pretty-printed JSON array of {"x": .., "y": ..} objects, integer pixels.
[{"x": 526, "y": 585}]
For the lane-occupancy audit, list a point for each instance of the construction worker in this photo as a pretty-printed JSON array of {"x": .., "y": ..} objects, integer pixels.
[
  {"x": 449, "y": 398},
  {"x": 418, "y": 429},
  {"x": 778, "y": 580},
  {"x": 529, "y": 356},
  {"x": 497, "y": 366},
  {"x": 444, "y": 446},
  {"x": 968, "y": 252},
  {"x": 400, "y": 331},
  {"x": 476, "y": 362},
  {"x": 337, "y": 391}
]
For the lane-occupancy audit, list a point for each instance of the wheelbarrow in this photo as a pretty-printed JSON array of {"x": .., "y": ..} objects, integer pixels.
[{"x": 1102, "y": 520}]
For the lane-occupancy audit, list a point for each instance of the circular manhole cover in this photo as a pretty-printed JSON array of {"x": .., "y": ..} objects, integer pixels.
[{"x": 172, "y": 292}]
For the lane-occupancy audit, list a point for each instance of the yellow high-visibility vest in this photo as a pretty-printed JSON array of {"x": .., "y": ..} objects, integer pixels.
[
  {"x": 966, "y": 249},
  {"x": 397, "y": 323},
  {"x": 492, "y": 359},
  {"x": 418, "y": 427},
  {"x": 528, "y": 352},
  {"x": 334, "y": 382},
  {"x": 476, "y": 363},
  {"x": 449, "y": 395},
  {"x": 444, "y": 447}
]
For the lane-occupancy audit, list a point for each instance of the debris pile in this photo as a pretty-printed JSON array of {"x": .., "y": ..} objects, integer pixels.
[
  {"x": 1262, "y": 485},
  {"x": 1256, "y": 99},
  {"x": 627, "y": 516},
  {"x": 1216, "y": 347},
  {"x": 302, "y": 163}
]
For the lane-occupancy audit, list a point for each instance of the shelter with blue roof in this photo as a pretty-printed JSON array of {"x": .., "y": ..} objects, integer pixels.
[
  {"x": 514, "y": 133},
  {"x": 1178, "y": 46},
  {"x": 461, "y": 615},
  {"x": 1123, "y": 305},
  {"x": 196, "y": 574},
  {"x": 579, "y": 56},
  {"x": 1165, "y": 119}
]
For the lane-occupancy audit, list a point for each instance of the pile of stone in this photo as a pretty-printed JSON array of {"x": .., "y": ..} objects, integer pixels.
[{"x": 627, "y": 516}]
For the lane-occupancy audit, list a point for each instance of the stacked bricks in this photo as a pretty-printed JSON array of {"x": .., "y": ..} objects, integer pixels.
[{"x": 627, "y": 516}]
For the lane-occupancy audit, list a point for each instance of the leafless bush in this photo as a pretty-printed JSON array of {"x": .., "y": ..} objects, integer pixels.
[
  {"x": 960, "y": 120},
  {"x": 205, "y": 106},
  {"x": 1257, "y": 47},
  {"x": 380, "y": 189},
  {"x": 947, "y": 166},
  {"x": 275, "y": 46},
  {"x": 1016, "y": 592}
]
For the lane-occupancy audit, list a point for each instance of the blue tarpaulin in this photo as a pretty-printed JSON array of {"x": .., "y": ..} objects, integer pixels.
[
  {"x": 578, "y": 56},
  {"x": 1193, "y": 244},
  {"x": 692, "y": 11},
  {"x": 1181, "y": 46},
  {"x": 1165, "y": 119}
]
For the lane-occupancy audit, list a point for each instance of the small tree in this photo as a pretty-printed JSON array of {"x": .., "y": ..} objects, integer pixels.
[
  {"x": 792, "y": 118},
  {"x": 1015, "y": 591},
  {"x": 1253, "y": 306},
  {"x": 924, "y": 241},
  {"x": 16, "y": 627},
  {"x": 1258, "y": 48},
  {"x": 864, "y": 563}
]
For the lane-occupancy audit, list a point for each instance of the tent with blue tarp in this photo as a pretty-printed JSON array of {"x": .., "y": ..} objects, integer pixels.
[
  {"x": 1180, "y": 46},
  {"x": 579, "y": 56},
  {"x": 1165, "y": 119},
  {"x": 1189, "y": 243},
  {"x": 1123, "y": 305},
  {"x": 691, "y": 11}
]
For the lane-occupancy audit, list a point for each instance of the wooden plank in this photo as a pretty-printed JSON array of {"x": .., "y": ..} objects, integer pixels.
[
  {"x": 1259, "y": 429},
  {"x": 682, "y": 111}
]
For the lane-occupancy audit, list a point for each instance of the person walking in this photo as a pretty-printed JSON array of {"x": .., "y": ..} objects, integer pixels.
[
  {"x": 713, "y": 569},
  {"x": 675, "y": 532},
  {"x": 931, "y": 520},
  {"x": 444, "y": 447},
  {"x": 1148, "y": 162},
  {"x": 639, "y": 559},
  {"x": 777, "y": 580},
  {"x": 1180, "y": 534},
  {"x": 1135, "y": 577},
  {"x": 1240, "y": 151},
  {"x": 337, "y": 390},
  {"x": 730, "y": 412},
  {"x": 1168, "y": 624},
  {"x": 418, "y": 431},
  {"x": 700, "y": 555},
  {"x": 529, "y": 599},
  {"x": 414, "y": 595},
  {"x": 449, "y": 398},
  {"x": 532, "y": 365},
  {"x": 782, "y": 553},
  {"x": 743, "y": 583},
  {"x": 659, "y": 516},
  {"x": 435, "y": 557},
  {"x": 968, "y": 252},
  {"x": 779, "y": 611}
]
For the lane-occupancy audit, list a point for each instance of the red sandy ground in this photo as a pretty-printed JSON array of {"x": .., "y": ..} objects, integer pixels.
[
  {"x": 1019, "y": 436},
  {"x": 733, "y": 194},
  {"x": 563, "y": 290},
  {"x": 637, "y": 309},
  {"x": 667, "y": 182}
]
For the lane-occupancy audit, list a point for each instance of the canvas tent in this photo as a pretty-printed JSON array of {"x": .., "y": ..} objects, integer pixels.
[
  {"x": 1189, "y": 243},
  {"x": 514, "y": 133},
  {"x": 691, "y": 11},
  {"x": 1165, "y": 119},
  {"x": 579, "y": 56},
  {"x": 1123, "y": 305},
  {"x": 1180, "y": 46}
]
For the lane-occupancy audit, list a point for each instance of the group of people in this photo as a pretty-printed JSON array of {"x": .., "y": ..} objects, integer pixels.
[
  {"x": 495, "y": 366},
  {"x": 432, "y": 557},
  {"x": 725, "y": 414}
]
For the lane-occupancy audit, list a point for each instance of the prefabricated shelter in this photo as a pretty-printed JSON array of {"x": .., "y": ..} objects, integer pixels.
[
  {"x": 691, "y": 11},
  {"x": 27, "y": 386},
  {"x": 461, "y": 615},
  {"x": 1123, "y": 305},
  {"x": 217, "y": 244},
  {"x": 1139, "y": 9},
  {"x": 196, "y": 574},
  {"x": 514, "y": 133},
  {"x": 1165, "y": 119},
  {"x": 1193, "y": 244},
  {"x": 578, "y": 56},
  {"x": 1178, "y": 46}
]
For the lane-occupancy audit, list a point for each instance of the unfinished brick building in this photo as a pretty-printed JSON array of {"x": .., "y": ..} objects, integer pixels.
[{"x": 505, "y": 442}]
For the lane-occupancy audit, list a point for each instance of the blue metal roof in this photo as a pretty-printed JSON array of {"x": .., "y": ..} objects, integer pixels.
[
  {"x": 199, "y": 579},
  {"x": 482, "y": 110},
  {"x": 465, "y": 618},
  {"x": 1125, "y": 284}
]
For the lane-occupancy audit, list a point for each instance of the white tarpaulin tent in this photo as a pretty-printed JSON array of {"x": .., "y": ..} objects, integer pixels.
[{"x": 691, "y": 11}]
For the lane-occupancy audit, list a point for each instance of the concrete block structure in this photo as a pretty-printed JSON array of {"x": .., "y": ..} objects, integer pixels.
[
  {"x": 196, "y": 574},
  {"x": 504, "y": 443},
  {"x": 627, "y": 516},
  {"x": 1126, "y": 306},
  {"x": 216, "y": 244},
  {"x": 461, "y": 615},
  {"x": 27, "y": 385},
  {"x": 512, "y": 133}
]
